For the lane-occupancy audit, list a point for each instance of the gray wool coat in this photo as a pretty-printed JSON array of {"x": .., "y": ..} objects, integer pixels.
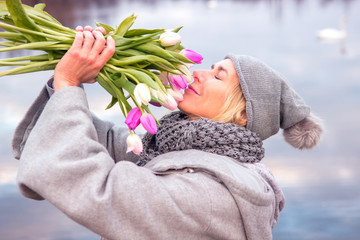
[{"x": 80, "y": 165}]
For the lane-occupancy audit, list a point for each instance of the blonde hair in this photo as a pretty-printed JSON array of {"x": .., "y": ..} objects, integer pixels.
[{"x": 234, "y": 110}]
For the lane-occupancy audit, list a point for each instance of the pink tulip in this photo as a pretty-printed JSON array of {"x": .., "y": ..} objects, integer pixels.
[
  {"x": 192, "y": 55},
  {"x": 186, "y": 73},
  {"x": 167, "y": 101},
  {"x": 134, "y": 144},
  {"x": 176, "y": 94},
  {"x": 133, "y": 118},
  {"x": 163, "y": 76},
  {"x": 178, "y": 81},
  {"x": 148, "y": 122}
]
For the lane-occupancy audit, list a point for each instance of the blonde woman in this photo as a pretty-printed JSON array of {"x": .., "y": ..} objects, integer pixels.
[{"x": 199, "y": 177}]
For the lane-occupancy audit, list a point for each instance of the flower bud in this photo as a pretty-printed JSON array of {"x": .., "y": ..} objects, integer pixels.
[
  {"x": 176, "y": 94},
  {"x": 164, "y": 78},
  {"x": 142, "y": 94},
  {"x": 178, "y": 81},
  {"x": 167, "y": 101},
  {"x": 156, "y": 104},
  {"x": 187, "y": 73},
  {"x": 169, "y": 38},
  {"x": 153, "y": 93},
  {"x": 133, "y": 118},
  {"x": 134, "y": 144},
  {"x": 192, "y": 55},
  {"x": 149, "y": 123}
]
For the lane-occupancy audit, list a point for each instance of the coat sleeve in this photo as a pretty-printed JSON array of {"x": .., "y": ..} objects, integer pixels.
[
  {"x": 64, "y": 162},
  {"x": 108, "y": 134}
]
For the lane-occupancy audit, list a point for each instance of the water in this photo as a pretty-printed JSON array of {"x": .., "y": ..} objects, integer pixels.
[{"x": 321, "y": 186}]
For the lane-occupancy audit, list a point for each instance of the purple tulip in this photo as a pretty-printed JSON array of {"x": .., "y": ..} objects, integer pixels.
[
  {"x": 148, "y": 122},
  {"x": 178, "y": 81},
  {"x": 133, "y": 118},
  {"x": 156, "y": 104},
  {"x": 192, "y": 55}
]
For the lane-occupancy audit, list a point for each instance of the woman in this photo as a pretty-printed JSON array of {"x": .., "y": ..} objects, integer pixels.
[{"x": 199, "y": 177}]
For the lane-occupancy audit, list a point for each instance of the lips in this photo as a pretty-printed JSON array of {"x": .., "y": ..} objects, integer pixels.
[{"x": 190, "y": 88}]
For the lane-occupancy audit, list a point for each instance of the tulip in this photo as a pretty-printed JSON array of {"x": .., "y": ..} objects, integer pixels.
[
  {"x": 169, "y": 38},
  {"x": 148, "y": 122},
  {"x": 133, "y": 118},
  {"x": 192, "y": 55},
  {"x": 156, "y": 104},
  {"x": 178, "y": 81},
  {"x": 163, "y": 76},
  {"x": 176, "y": 94},
  {"x": 167, "y": 101},
  {"x": 186, "y": 71},
  {"x": 134, "y": 144},
  {"x": 153, "y": 93},
  {"x": 142, "y": 94}
]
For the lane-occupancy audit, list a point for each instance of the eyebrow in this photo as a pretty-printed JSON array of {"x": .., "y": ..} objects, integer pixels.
[{"x": 220, "y": 68}]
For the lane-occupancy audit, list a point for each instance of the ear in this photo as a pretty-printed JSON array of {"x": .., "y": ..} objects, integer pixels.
[{"x": 304, "y": 134}]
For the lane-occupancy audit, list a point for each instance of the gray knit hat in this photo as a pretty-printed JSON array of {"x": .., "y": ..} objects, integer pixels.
[{"x": 272, "y": 104}]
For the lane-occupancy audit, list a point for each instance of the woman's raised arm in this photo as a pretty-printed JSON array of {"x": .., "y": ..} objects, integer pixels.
[{"x": 83, "y": 61}]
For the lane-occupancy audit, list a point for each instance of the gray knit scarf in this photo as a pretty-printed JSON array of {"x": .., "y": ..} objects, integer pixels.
[{"x": 176, "y": 132}]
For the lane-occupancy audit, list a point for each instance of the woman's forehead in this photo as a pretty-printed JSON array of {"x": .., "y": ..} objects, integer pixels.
[{"x": 225, "y": 63}]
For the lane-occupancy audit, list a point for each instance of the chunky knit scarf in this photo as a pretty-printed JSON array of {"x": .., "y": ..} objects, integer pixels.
[{"x": 176, "y": 132}]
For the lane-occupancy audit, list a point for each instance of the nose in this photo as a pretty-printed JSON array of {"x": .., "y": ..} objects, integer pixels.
[{"x": 200, "y": 75}]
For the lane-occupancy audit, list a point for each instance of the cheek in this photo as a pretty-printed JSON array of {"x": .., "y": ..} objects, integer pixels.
[{"x": 189, "y": 103}]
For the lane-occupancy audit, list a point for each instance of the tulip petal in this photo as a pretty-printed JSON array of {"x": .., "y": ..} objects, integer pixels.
[
  {"x": 192, "y": 55},
  {"x": 148, "y": 122},
  {"x": 134, "y": 144},
  {"x": 133, "y": 118},
  {"x": 169, "y": 38}
]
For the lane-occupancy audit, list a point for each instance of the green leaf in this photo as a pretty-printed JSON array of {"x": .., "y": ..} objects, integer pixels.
[
  {"x": 31, "y": 46},
  {"x": 123, "y": 43},
  {"x": 180, "y": 57},
  {"x": 112, "y": 103},
  {"x": 106, "y": 27},
  {"x": 139, "y": 76},
  {"x": 125, "y": 25},
  {"x": 34, "y": 67},
  {"x": 141, "y": 59},
  {"x": 121, "y": 81},
  {"x": 40, "y": 6},
  {"x": 177, "y": 29},
  {"x": 21, "y": 19},
  {"x": 12, "y": 36},
  {"x": 155, "y": 50},
  {"x": 139, "y": 32}
]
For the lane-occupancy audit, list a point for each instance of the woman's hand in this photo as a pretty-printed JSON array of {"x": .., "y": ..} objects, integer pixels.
[{"x": 83, "y": 61}]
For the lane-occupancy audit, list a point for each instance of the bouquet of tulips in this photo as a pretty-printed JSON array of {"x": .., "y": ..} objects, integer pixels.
[{"x": 149, "y": 65}]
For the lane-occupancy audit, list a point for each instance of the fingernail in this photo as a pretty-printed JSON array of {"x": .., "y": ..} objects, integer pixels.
[{"x": 79, "y": 28}]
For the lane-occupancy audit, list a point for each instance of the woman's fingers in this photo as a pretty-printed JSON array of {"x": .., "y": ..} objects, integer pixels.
[
  {"x": 88, "y": 28},
  {"x": 109, "y": 50},
  {"x": 79, "y": 29},
  {"x": 88, "y": 42},
  {"x": 99, "y": 44},
  {"x": 78, "y": 41},
  {"x": 101, "y": 29}
]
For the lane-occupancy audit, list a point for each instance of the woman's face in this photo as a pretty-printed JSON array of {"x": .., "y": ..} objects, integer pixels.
[{"x": 207, "y": 94}]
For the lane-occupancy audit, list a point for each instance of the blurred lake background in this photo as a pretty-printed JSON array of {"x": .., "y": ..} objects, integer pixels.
[{"x": 321, "y": 186}]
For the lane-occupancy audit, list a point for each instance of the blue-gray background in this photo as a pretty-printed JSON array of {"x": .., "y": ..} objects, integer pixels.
[{"x": 321, "y": 186}]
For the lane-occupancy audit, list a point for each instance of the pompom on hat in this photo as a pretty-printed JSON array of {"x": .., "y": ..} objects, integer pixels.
[{"x": 272, "y": 104}]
